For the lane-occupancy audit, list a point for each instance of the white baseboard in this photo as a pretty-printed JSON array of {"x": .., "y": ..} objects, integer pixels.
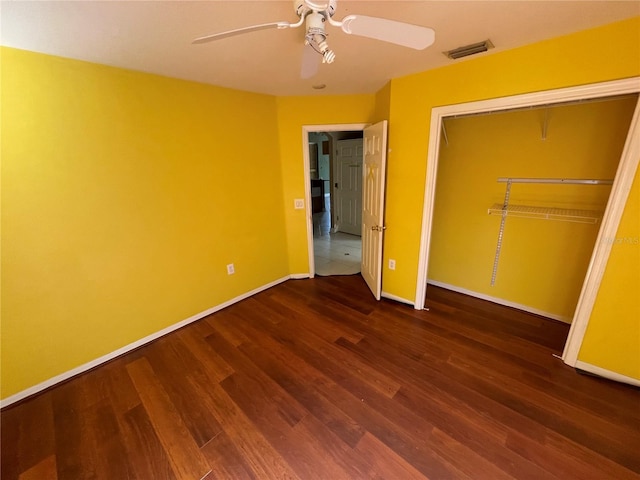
[
  {"x": 396, "y": 298},
  {"x": 602, "y": 372},
  {"x": 138, "y": 343},
  {"x": 298, "y": 276},
  {"x": 500, "y": 301}
]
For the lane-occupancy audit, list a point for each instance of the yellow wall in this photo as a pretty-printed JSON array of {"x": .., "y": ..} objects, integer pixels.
[
  {"x": 542, "y": 263},
  {"x": 383, "y": 103},
  {"x": 612, "y": 340},
  {"x": 606, "y": 53},
  {"x": 293, "y": 114},
  {"x": 124, "y": 196}
]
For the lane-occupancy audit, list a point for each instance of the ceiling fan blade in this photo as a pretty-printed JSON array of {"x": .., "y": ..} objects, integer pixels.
[
  {"x": 310, "y": 62},
  {"x": 240, "y": 31},
  {"x": 400, "y": 33}
]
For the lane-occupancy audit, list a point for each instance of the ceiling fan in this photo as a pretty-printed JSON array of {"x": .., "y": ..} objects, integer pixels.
[{"x": 316, "y": 14}]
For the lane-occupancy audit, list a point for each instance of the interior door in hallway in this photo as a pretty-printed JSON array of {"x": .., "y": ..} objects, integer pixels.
[
  {"x": 349, "y": 186},
  {"x": 375, "y": 167}
]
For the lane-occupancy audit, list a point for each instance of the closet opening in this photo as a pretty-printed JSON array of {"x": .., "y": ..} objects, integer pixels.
[{"x": 521, "y": 191}]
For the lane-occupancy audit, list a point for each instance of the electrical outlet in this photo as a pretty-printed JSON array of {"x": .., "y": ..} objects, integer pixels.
[
  {"x": 392, "y": 264},
  {"x": 231, "y": 269},
  {"x": 298, "y": 203}
]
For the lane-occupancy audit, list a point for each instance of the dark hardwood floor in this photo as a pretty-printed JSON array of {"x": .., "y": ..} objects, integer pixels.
[{"x": 314, "y": 379}]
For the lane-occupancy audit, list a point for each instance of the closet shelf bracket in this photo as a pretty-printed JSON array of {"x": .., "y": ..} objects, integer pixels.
[
  {"x": 444, "y": 133},
  {"x": 545, "y": 124}
]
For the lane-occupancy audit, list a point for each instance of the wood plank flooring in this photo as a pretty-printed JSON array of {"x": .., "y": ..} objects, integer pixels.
[{"x": 314, "y": 379}]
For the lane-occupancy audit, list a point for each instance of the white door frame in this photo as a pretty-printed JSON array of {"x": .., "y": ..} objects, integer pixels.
[
  {"x": 306, "y": 130},
  {"x": 615, "y": 206}
]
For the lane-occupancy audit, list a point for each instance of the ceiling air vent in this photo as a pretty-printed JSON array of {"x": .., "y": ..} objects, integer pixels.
[{"x": 469, "y": 50}]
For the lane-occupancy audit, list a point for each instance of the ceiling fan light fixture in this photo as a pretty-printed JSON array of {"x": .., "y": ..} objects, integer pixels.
[
  {"x": 467, "y": 50},
  {"x": 317, "y": 38}
]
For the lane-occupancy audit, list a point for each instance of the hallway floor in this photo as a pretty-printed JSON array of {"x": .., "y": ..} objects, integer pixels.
[
  {"x": 334, "y": 253},
  {"x": 337, "y": 254}
]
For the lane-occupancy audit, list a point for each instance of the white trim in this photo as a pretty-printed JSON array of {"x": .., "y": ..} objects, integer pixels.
[
  {"x": 299, "y": 276},
  {"x": 306, "y": 130},
  {"x": 132, "y": 346},
  {"x": 617, "y": 200},
  {"x": 307, "y": 200},
  {"x": 500, "y": 301},
  {"x": 395, "y": 298},
  {"x": 602, "y": 372},
  {"x": 427, "y": 209}
]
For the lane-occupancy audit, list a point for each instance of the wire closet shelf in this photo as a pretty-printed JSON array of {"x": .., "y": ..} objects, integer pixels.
[{"x": 505, "y": 209}]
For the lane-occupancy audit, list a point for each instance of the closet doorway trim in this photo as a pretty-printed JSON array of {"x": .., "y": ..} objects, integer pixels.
[{"x": 615, "y": 206}]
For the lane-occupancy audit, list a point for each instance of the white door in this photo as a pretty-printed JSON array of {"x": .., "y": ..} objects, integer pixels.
[
  {"x": 349, "y": 186},
  {"x": 374, "y": 171}
]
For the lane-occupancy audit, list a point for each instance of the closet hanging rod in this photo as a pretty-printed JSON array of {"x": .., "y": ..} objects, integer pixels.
[{"x": 574, "y": 181}]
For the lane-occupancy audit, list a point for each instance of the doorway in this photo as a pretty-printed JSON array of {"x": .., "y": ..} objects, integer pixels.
[
  {"x": 335, "y": 170},
  {"x": 612, "y": 215}
]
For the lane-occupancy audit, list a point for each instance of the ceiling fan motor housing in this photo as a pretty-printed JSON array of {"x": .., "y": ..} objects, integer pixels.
[
  {"x": 315, "y": 23},
  {"x": 302, "y": 7}
]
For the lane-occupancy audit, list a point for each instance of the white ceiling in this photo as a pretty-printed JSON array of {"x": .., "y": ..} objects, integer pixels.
[{"x": 155, "y": 36}]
